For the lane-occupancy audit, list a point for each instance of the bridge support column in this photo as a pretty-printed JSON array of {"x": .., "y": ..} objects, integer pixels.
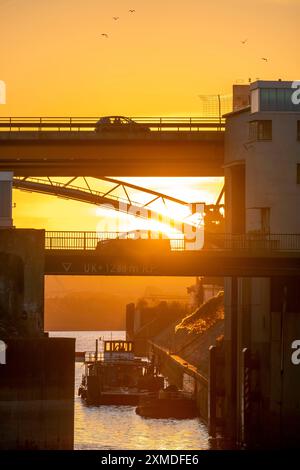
[
  {"x": 6, "y": 181},
  {"x": 231, "y": 358},
  {"x": 234, "y": 356}
]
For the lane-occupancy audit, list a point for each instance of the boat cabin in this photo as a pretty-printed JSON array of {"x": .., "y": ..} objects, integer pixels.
[
  {"x": 112, "y": 369},
  {"x": 118, "y": 350}
]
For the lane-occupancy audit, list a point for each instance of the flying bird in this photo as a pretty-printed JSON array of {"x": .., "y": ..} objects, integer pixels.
[
  {"x": 104, "y": 35},
  {"x": 265, "y": 59},
  {"x": 131, "y": 11},
  {"x": 245, "y": 41},
  {"x": 116, "y": 18}
]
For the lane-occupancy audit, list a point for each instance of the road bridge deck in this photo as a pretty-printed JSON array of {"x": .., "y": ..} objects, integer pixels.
[{"x": 188, "y": 148}]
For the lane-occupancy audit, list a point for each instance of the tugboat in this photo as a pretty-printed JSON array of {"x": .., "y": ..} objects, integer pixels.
[{"x": 114, "y": 376}]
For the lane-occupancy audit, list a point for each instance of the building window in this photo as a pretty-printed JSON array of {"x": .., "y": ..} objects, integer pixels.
[
  {"x": 298, "y": 173},
  {"x": 260, "y": 130},
  {"x": 277, "y": 99}
]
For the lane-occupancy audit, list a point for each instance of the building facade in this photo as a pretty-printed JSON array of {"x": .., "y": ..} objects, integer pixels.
[{"x": 262, "y": 181}]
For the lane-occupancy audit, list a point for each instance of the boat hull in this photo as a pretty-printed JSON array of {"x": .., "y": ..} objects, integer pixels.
[{"x": 180, "y": 408}]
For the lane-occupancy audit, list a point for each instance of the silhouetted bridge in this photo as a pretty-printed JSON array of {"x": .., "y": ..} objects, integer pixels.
[
  {"x": 226, "y": 255},
  {"x": 71, "y": 146}
]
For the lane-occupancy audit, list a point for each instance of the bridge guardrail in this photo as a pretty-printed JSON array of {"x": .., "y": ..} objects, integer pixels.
[
  {"x": 191, "y": 124},
  {"x": 253, "y": 242},
  {"x": 89, "y": 240},
  {"x": 76, "y": 240}
]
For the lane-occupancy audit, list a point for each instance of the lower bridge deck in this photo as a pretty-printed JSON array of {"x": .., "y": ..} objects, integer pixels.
[{"x": 175, "y": 263}]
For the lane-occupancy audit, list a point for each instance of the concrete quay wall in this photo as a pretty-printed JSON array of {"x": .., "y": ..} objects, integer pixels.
[
  {"x": 27, "y": 282},
  {"x": 37, "y": 394}
]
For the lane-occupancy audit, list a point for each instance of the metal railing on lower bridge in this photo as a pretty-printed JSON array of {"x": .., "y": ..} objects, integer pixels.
[
  {"x": 76, "y": 240},
  {"x": 253, "y": 241},
  {"x": 91, "y": 240}
]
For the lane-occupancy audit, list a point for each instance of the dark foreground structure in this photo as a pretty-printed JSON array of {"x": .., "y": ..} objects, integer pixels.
[
  {"x": 37, "y": 394},
  {"x": 36, "y": 372}
]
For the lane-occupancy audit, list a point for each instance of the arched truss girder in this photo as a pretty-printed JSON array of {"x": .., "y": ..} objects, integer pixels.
[
  {"x": 213, "y": 207},
  {"x": 88, "y": 195},
  {"x": 126, "y": 204}
]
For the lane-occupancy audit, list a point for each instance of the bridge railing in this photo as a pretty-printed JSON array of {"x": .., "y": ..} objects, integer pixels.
[
  {"x": 25, "y": 123},
  {"x": 90, "y": 240},
  {"x": 253, "y": 241},
  {"x": 250, "y": 242}
]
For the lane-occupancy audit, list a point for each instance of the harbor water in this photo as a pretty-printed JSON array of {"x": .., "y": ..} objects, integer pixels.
[{"x": 118, "y": 427}]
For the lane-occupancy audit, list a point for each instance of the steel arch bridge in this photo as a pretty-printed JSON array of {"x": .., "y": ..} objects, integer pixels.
[{"x": 126, "y": 203}]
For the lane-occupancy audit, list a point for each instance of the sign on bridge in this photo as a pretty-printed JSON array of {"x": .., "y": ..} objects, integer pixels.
[{"x": 185, "y": 263}]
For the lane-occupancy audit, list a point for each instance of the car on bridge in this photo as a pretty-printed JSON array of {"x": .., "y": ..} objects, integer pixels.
[
  {"x": 122, "y": 246},
  {"x": 119, "y": 124}
]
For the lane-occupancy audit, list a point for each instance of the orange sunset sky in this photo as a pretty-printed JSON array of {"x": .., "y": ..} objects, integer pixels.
[{"x": 155, "y": 62}]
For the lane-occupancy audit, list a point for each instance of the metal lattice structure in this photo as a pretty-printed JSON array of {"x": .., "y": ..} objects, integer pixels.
[
  {"x": 215, "y": 106},
  {"x": 111, "y": 199}
]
